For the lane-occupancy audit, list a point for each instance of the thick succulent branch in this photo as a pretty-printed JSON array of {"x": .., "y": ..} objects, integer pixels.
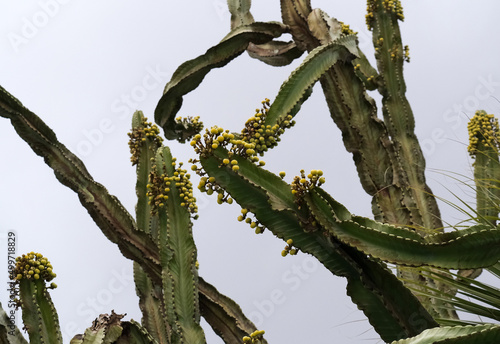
[
  {"x": 110, "y": 329},
  {"x": 40, "y": 318},
  {"x": 483, "y": 148},
  {"x": 191, "y": 73},
  {"x": 9, "y": 332},
  {"x": 382, "y": 19},
  {"x": 224, "y": 315}
]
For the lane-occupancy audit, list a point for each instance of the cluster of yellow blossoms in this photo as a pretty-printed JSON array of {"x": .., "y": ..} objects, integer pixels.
[
  {"x": 33, "y": 266},
  {"x": 212, "y": 139},
  {"x": 254, "y": 338},
  {"x": 138, "y": 137},
  {"x": 393, "y": 6},
  {"x": 254, "y": 224},
  {"x": 483, "y": 130},
  {"x": 289, "y": 249},
  {"x": 261, "y": 135},
  {"x": 256, "y": 138},
  {"x": 346, "y": 29},
  {"x": 301, "y": 185},
  {"x": 159, "y": 188}
]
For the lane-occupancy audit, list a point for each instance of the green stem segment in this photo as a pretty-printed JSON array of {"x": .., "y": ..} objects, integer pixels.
[
  {"x": 483, "y": 148},
  {"x": 170, "y": 308},
  {"x": 39, "y": 314},
  {"x": 178, "y": 256},
  {"x": 108, "y": 329},
  {"x": 382, "y": 19},
  {"x": 9, "y": 332}
]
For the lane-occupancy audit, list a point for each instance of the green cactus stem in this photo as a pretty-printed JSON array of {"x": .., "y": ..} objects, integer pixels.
[
  {"x": 382, "y": 19},
  {"x": 9, "y": 332},
  {"x": 240, "y": 13},
  {"x": 144, "y": 142},
  {"x": 484, "y": 334},
  {"x": 164, "y": 209},
  {"x": 108, "y": 329},
  {"x": 151, "y": 306},
  {"x": 274, "y": 53},
  {"x": 472, "y": 247},
  {"x": 191, "y": 73},
  {"x": 294, "y": 14},
  {"x": 224, "y": 315},
  {"x": 178, "y": 251},
  {"x": 484, "y": 149},
  {"x": 32, "y": 272}
]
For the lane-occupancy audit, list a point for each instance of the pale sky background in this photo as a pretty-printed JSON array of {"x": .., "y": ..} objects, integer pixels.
[{"x": 73, "y": 63}]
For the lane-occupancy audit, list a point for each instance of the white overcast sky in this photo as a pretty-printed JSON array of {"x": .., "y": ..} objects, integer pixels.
[{"x": 74, "y": 63}]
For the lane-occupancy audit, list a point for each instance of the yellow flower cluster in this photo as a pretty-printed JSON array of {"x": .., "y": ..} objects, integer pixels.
[
  {"x": 212, "y": 139},
  {"x": 188, "y": 127},
  {"x": 346, "y": 29},
  {"x": 301, "y": 185},
  {"x": 159, "y": 188},
  {"x": 483, "y": 130},
  {"x": 254, "y": 224},
  {"x": 138, "y": 137},
  {"x": 370, "y": 7},
  {"x": 209, "y": 185},
  {"x": 33, "y": 266},
  {"x": 393, "y": 6},
  {"x": 255, "y": 138},
  {"x": 289, "y": 249},
  {"x": 261, "y": 136},
  {"x": 255, "y": 337}
]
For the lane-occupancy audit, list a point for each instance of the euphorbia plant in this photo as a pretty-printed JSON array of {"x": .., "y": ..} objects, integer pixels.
[{"x": 406, "y": 230}]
